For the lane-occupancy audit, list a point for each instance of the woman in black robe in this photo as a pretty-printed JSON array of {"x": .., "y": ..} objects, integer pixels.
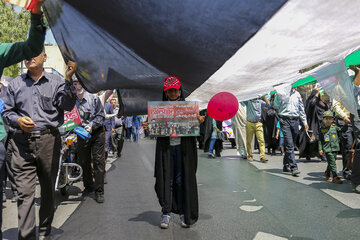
[
  {"x": 269, "y": 120},
  {"x": 314, "y": 109},
  {"x": 175, "y": 174}
]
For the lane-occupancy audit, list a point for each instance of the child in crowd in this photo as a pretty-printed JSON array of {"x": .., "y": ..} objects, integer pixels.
[
  {"x": 175, "y": 168},
  {"x": 329, "y": 144},
  {"x": 280, "y": 137}
]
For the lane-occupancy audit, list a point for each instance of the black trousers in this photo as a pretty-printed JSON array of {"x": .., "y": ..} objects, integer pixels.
[
  {"x": 2, "y": 175},
  {"x": 346, "y": 141},
  {"x": 290, "y": 129},
  {"x": 355, "y": 175},
  {"x": 35, "y": 157},
  {"x": 89, "y": 151}
]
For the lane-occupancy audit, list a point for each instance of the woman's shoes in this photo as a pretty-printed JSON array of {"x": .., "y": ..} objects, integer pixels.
[{"x": 165, "y": 220}]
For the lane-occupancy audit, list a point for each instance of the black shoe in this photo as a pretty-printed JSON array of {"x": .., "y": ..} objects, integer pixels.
[
  {"x": 15, "y": 197},
  {"x": 118, "y": 155},
  {"x": 87, "y": 191},
  {"x": 105, "y": 180},
  {"x": 286, "y": 169},
  {"x": 99, "y": 197}
]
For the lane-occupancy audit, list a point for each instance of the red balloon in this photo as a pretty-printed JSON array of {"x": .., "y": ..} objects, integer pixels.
[{"x": 223, "y": 106}]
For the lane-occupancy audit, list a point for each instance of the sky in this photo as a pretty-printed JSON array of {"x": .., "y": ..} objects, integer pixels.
[{"x": 49, "y": 37}]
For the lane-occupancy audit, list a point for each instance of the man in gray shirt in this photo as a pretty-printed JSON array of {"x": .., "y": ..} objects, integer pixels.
[
  {"x": 92, "y": 116},
  {"x": 290, "y": 112},
  {"x": 34, "y": 107}
]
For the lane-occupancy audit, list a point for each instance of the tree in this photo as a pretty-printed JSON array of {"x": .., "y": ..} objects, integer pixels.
[{"x": 14, "y": 27}]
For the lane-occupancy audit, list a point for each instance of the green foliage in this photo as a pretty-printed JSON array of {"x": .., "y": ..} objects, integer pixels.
[{"x": 13, "y": 28}]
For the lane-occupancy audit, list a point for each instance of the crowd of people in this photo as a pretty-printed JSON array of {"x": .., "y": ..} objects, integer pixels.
[
  {"x": 33, "y": 105},
  {"x": 317, "y": 126}
]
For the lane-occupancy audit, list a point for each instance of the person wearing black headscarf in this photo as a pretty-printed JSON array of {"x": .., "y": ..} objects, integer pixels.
[
  {"x": 314, "y": 109},
  {"x": 270, "y": 118}
]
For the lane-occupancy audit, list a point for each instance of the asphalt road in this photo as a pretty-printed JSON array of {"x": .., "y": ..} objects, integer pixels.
[{"x": 238, "y": 200}]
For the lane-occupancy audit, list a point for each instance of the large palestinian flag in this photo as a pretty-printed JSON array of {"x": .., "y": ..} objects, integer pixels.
[{"x": 245, "y": 47}]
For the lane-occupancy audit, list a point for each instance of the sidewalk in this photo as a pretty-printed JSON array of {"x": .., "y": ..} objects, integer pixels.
[{"x": 312, "y": 174}]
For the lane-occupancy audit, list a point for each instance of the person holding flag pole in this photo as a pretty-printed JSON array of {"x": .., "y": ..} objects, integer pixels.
[{"x": 12, "y": 53}]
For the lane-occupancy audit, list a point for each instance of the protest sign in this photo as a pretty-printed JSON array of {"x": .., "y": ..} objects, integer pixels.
[{"x": 174, "y": 119}]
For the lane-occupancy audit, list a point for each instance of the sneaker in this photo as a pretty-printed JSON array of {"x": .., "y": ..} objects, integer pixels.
[
  {"x": 99, "y": 197},
  {"x": 327, "y": 176},
  {"x": 250, "y": 159},
  {"x": 337, "y": 180},
  {"x": 183, "y": 224},
  {"x": 347, "y": 174},
  {"x": 263, "y": 160},
  {"x": 211, "y": 155},
  {"x": 165, "y": 220},
  {"x": 48, "y": 237},
  {"x": 357, "y": 188},
  {"x": 15, "y": 197},
  {"x": 286, "y": 169},
  {"x": 295, "y": 173}
]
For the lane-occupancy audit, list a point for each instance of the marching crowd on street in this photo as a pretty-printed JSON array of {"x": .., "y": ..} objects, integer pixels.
[{"x": 32, "y": 108}]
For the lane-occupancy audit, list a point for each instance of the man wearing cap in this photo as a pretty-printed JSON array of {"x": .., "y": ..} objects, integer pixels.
[
  {"x": 290, "y": 112},
  {"x": 329, "y": 144},
  {"x": 12, "y": 53},
  {"x": 34, "y": 107},
  {"x": 92, "y": 116}
]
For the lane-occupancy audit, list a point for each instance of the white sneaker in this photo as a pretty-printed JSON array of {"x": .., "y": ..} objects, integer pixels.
[
  {"x": 48, "y": 237},
  {"x": 183, "y": 224},
  {"x": 165, "y": 220}
]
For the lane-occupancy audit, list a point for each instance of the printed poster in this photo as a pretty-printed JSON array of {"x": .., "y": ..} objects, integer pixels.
[
  {"x": 174, "y": 119},
  {"x": 71, "y": 119}
]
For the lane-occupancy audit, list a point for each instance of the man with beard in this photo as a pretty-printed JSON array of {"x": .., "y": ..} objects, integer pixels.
[{"x": 92, "y": 117}]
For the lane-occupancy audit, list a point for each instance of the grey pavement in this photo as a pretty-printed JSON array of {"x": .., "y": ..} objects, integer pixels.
[{"x": 237, "y": 199}]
